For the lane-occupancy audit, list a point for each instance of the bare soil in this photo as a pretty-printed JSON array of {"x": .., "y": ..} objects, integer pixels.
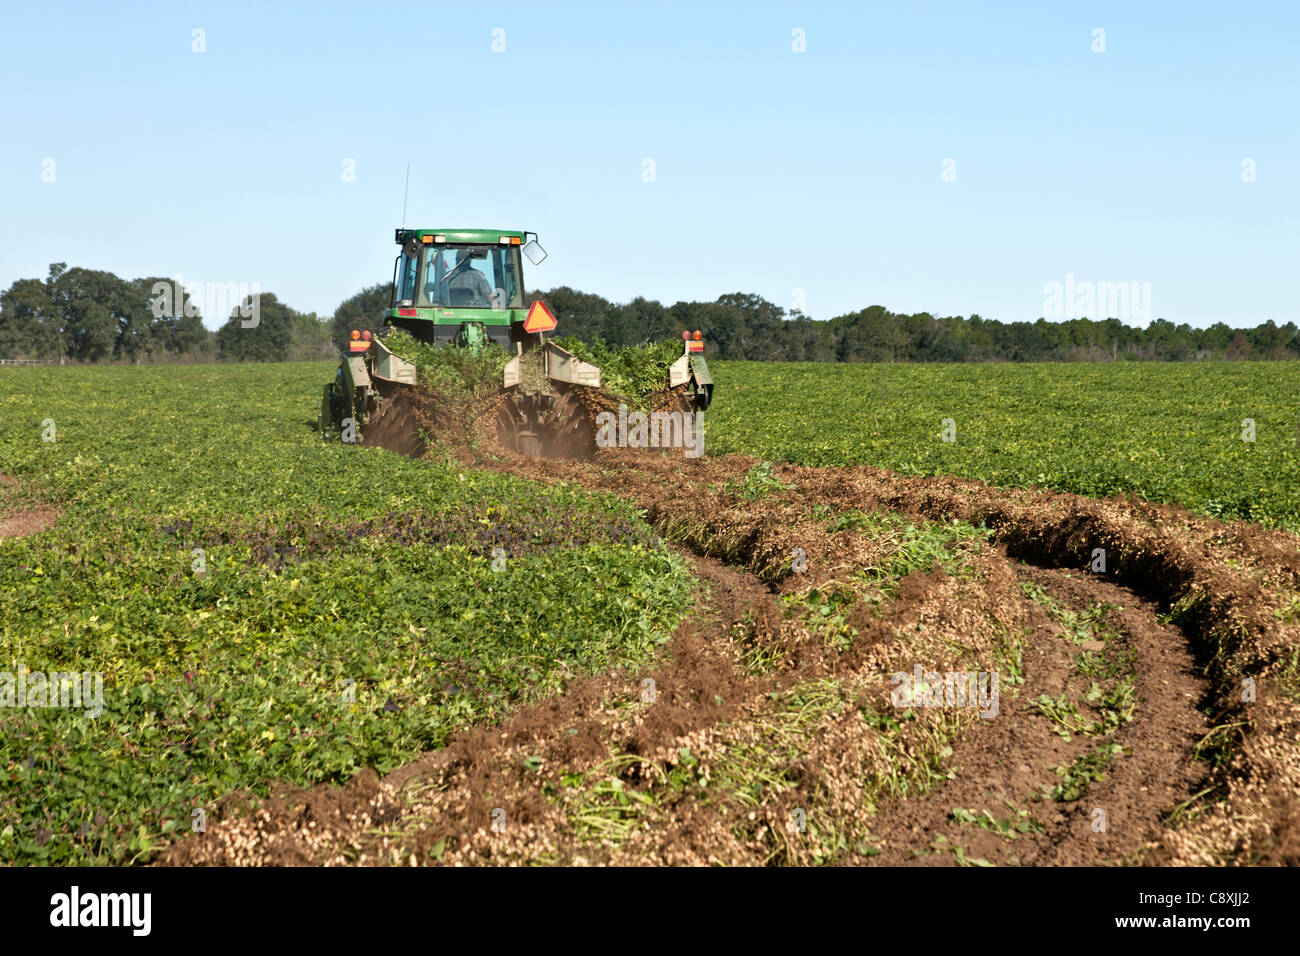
[{"x": 20, "y": 517}]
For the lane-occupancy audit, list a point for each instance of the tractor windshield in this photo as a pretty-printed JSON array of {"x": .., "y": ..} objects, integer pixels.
[{"x": 471, "y": 277}]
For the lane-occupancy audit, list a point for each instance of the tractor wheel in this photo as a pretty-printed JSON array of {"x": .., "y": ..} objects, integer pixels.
[
  {"x": 325, "y": 413},
  {"x": 701, "y": 396}
]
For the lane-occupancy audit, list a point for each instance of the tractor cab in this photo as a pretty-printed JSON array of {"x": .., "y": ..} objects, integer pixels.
[{"x": 456, "y": 283}]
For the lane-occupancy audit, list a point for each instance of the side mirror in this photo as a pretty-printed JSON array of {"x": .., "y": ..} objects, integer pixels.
[{"x": 534, "y": 251}]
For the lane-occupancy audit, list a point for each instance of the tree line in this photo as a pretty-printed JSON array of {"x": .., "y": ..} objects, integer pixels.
[
  {"x": 84, "y": 315},
  {"x": 87, "y": 315},
  {"x": 747, "y": 326}
]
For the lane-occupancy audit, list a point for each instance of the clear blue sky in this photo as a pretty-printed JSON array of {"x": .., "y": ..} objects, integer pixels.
[{"x": 774, "y": 170}]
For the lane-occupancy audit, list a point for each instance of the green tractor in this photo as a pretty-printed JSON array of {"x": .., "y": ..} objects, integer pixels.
[{"x": 464, "y": 288}]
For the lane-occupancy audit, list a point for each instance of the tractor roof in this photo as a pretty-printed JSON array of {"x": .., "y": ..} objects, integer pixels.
[{"x": 493, "y": 236}]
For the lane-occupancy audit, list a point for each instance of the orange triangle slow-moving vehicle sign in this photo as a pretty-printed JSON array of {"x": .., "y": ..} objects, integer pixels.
[{"x": 540, "y": 318}]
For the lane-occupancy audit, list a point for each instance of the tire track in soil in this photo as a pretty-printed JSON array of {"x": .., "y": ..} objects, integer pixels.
[
  {"x": 1013, "y": 756},
  {"x": 1006, "y": 764}
]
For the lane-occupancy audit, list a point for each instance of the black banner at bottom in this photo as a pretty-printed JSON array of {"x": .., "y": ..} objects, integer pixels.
[{"x": 218, "y": 906}]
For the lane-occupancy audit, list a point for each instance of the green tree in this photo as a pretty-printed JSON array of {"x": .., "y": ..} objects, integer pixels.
[
  {"x": 263, "y": 336},
  {"x": 871, "y": 335},
  {"x": 174, "y": 321},
  {"x": 29, "y": 323},
  {"x": 805, "y": 340},
  {"x": 642, "y": 321},
  {"x": 724, "y": 328},
  {"x": 584, "y": 315},
  {"x": 1216, "y": 338},
  {"x": 95, "y": 310},
  {"x": 366, "y": 310},
  {"x": 310, "y": 338},
  {"x": 1271, "y": 340},
  {"x": 761, "y": 325}
]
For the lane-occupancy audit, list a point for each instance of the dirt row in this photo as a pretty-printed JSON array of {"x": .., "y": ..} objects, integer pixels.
[{"x": 1147, "y": 714}]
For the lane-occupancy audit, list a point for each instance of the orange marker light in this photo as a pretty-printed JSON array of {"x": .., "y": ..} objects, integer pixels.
[
  {"x": 355, "y": 335},
  {"x": 698, "y": 336}
]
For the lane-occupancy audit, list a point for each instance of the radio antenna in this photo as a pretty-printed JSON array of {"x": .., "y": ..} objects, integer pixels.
[{"x": 405, "y": 193}]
